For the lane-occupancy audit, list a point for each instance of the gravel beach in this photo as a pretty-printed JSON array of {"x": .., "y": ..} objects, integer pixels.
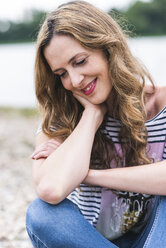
[{"x": 17, "y": 134}]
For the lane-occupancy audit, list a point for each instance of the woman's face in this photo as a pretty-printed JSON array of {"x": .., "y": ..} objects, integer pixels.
[{"x": 82, "y": 71}]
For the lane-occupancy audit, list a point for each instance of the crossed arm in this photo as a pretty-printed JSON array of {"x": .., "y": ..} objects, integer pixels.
[
  {"x": 59, "y": 166},
  {"x": 146, "y": 179}
]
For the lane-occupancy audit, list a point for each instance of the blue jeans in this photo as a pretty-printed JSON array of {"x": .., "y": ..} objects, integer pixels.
[{"x": 62, "y": 225}]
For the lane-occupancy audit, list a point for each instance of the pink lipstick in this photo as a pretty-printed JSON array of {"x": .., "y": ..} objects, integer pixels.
[{"x": 90, "y": 87}]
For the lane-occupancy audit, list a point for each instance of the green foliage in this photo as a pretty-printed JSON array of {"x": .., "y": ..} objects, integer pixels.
[
  {"x": 23, "y": 31},
  {"x": 148, "y": 18},
  {"x": 141, "y": 18},
  {"x": 123, "y": 21}
]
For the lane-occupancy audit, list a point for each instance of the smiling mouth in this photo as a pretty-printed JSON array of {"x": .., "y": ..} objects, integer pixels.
[{"x": 90, "y": 87}]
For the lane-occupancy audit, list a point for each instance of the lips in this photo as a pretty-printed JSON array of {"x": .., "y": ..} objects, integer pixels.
[{"x": 90, "y": 87}]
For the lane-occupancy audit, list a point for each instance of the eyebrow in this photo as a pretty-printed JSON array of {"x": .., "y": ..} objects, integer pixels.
[{"x": 70, "y": 60}]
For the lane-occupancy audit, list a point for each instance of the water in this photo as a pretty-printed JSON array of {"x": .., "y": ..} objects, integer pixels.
[
  {"x": 152, "y": 53},
  {"x": 17, "y": 68},
  {"x": 17, "y": 75}
]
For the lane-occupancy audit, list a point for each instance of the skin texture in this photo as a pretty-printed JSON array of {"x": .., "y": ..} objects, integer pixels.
[
  {"x": 86, "y": 66},
  {"x": 59, "y": 166}
]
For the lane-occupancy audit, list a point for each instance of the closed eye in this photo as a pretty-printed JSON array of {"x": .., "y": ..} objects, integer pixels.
[
  {"x": 62, "y": 74},
  {"x": 81, "y": 62}
]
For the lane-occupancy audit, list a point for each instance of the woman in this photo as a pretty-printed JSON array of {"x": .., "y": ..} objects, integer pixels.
[{"x": 99, "y": 157}]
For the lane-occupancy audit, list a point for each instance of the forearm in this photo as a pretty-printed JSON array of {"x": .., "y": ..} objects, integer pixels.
[
  {"x": 68, "y": 165},
  {"x": 146, "y": 179}
]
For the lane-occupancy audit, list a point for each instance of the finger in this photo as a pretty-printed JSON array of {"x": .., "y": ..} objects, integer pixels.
[
  {"x": 48, "y": 146},
  {"x": 82, "y": 100},
  {"x": 54, "y": 141},
  {"x": 53, "y": 146},
  {"x": 46, "y": 151},
  {"x": 43, "y": 154},
  {"x": 42, "y": 149},
  {"x": 45, "y": 146}
]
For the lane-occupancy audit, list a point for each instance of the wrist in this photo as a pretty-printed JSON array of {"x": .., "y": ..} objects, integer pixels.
[
  {"x": 94, "y": 115},
  {"x": 93, "y": 177}
]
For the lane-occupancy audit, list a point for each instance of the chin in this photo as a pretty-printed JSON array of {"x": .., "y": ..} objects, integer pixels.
[{"x": 98, "y": 101}]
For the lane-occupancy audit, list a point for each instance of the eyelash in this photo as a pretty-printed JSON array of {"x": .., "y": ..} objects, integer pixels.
[
  {"x": 81, "y": 62},
  {"x": 62, "y": 75}
]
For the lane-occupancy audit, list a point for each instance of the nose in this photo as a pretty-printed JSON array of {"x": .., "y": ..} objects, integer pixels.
[{"x": 76, "y": 78}]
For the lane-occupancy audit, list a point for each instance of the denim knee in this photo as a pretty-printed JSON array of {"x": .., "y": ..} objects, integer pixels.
[
  {"x": 52, "y": 224},
  {"x": 34, "y": 215},
  {"x": 61, "y": 225},
  {"x": 41, "y": 214}
]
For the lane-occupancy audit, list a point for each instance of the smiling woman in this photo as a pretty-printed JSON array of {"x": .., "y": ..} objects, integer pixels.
[
  {"x": 82, "y": 71},
  {"x": 99, "y": 163}
]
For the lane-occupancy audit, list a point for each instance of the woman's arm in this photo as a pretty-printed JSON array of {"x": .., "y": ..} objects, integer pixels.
[
  {"x": 148, "y": 179},
  {"x": 65, "y": 168},
  {"x": 145, "y": 179}
]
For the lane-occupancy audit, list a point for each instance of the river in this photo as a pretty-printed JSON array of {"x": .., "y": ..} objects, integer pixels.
[{"x": 17, "y": 68}]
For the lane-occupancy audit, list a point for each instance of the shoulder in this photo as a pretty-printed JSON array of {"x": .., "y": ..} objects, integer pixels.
[
  {"x": 161, "y": 97},
  {"x": 155, "y": 100}
]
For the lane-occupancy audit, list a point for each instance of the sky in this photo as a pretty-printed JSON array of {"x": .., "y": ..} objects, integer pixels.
[{"x": 13, "y": 10}]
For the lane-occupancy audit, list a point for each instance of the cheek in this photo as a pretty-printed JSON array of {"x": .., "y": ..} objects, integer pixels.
[
  {"x": 67, "y": 85},
  {"x": 106, "y": 73}
]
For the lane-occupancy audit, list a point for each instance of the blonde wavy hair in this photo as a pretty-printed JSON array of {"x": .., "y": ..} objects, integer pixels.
[{"x": 94, "y": 29}]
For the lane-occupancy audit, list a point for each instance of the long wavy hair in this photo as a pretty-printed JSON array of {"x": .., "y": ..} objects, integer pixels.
[{"x": 94, "y": 29}]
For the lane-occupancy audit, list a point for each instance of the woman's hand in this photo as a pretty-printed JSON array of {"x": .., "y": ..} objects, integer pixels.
[
  {"x": 65, "y": 164},
  {"x": 99, "y": 109},
  {"x": 45, "y": 149}
]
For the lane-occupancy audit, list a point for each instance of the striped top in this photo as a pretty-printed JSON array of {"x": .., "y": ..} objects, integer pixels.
[{"x": 113, "y": 213}]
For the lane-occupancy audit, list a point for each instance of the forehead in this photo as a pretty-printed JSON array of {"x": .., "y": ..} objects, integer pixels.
[{"x": 61, "y": 49}]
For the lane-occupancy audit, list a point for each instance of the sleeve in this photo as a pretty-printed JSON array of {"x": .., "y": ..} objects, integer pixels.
[{"x": 39, "y": 129}]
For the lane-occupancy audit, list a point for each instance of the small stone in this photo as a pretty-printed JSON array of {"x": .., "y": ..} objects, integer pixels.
[{"x": 17, "y": 135}]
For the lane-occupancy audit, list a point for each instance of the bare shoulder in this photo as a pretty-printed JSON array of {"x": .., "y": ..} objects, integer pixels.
[
  {"x": 155, "y": 100},
  {"x": 160, "y": 97}
]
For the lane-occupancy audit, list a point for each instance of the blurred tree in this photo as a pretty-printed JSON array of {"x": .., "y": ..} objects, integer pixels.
[
  {"x": 141, "y": 18},
  {"x": 23, "y": 31},
  {"x": 149, "y": 18}
]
